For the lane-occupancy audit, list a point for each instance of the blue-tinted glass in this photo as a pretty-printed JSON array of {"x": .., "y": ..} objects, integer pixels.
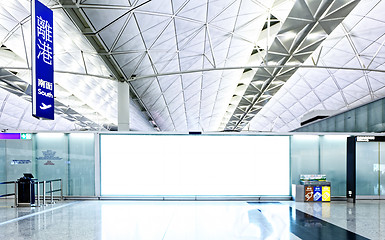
[
  {"x": 367, "y": 168},
  {"x": 333, "y": 162},
  {"x": 82, "y": 164},
  {"x": 304, "y": 156},
  {"x": 52, "y": 159}
]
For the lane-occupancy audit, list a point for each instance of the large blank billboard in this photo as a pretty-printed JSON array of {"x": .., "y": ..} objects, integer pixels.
[{"x": 185, "y": 165}]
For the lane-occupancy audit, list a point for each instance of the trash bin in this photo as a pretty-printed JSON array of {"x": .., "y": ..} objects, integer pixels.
[{"x": 26, "y": 190}]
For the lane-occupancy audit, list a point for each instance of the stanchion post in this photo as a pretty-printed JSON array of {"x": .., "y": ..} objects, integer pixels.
[
  {"x": 61, "y": 190},
  {"x": 51, "y": 190},
  {"x": 16, "y": 193},
  {"x": 38, "y": 193},
  {"x": 44, "y": 191}
]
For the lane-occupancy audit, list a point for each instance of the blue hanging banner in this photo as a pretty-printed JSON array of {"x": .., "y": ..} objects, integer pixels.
[{"x": 42, "y": 61}]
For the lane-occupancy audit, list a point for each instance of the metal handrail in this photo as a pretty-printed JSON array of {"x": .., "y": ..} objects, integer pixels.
[
  {"x": 11, "y": 194},
  {"x": 7, "y": 182},
  {"x": 51, "y": 191}
]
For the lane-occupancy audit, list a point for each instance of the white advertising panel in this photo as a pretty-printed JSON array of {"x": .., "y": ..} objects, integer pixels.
[{"x": 194, "y": 165}]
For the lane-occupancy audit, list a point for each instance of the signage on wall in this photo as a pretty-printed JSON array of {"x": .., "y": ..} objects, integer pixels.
[
  {"x": 42, "y": 61},
  {"x": 26, "y": 136},
  {"x": 49, "y": 156},
  {"x": 9, "y": 136},
  {"x": 17, "y": 162},
  {"x": 370, "y": 138},
  {"x": 15, "y": 136},
  {"x": 365, "y": 138}
]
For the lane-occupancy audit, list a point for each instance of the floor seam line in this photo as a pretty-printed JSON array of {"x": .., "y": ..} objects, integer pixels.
[
  {"x": 168, "y": 225},
  {"x": 34, "y": 214}
]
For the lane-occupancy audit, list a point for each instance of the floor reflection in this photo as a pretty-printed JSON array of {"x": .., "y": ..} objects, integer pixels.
[
  {"x": 184, "y": 220},
  {"x": 195, "y": 220}
]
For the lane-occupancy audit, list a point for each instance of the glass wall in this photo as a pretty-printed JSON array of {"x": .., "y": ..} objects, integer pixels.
[
  {"x": 333, "y": 162},
  {"x": 367, "y": 161},
  {"x": 3, "y": 172},
  {"x": 366, "y": 118},
  {"x": 381, "y": 169},
  {"x": 18, "y": 155},
  {"x": 48, "y": 156},
  {"x": 71, "y": 157},
  {"x": 370, "y": 169},
  {"x": 313, "y": 154},
  {"x": 304, "y": 155},
  {"x": 52, "y": 158},
  {"x": 82, "y": 164}
]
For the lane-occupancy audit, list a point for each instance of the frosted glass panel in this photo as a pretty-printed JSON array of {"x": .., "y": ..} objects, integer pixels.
[
  {"x": 48, "y": 156},
  {"x": 362, "y": 119},
  {"x": 3, "y": 172},
  {"x": 304, "y": 156},
  {"x": 381, "y": 169},
  {"x": 82, "y": 164},
  {"x": 52, "y": 158},
  {"x": 19, "y": 156},
  {"x": 350, "y": 120},
  {"x": 375, "y": 116},
  {"x": 333, "y": 162},
  {"x": 367, "y": 168},
  {"x": 194, "y": 165}
]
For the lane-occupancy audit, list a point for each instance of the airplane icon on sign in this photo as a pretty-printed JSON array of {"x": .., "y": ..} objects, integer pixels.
[{"x": 44, "y": 106}]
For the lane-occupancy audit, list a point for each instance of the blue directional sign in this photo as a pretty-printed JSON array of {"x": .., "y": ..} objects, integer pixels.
[{"x": 42, "y": 61}]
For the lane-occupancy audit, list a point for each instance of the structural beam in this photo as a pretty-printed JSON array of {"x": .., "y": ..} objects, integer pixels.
[
  {"x": 255, "y": 67},
  {"x": 123, "y": 106}
]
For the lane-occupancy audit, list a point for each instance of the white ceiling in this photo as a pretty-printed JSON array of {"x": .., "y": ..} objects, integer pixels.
[
  {"x": 194, "y": 65},
  {"x": 356, "y": 46}
]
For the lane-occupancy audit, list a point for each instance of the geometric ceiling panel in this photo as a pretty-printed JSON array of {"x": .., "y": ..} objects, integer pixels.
[
  {"x": 210, "y": 65},
  {"x": 307, "y": 26},
  {"x": 85, "y": 89},
  {"x": 149, "y": 39},
  {"x": 351, "y": 72}
]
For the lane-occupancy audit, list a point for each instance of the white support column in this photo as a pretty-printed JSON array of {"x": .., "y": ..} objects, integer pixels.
[{"x": 123, "y": 106}]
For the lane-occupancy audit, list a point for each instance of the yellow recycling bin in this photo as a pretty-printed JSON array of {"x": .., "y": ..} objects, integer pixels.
[{"x": 325, "y": 193}]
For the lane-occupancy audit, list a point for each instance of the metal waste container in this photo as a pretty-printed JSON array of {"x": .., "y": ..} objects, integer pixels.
[{"x": 26, "y": 190}]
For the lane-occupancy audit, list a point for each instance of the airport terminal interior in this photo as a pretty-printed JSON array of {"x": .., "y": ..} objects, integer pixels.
[{"x": 191, "y": 119}]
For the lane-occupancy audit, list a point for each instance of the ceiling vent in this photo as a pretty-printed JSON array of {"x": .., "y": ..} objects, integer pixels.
[{"x": 315, "y": 115}]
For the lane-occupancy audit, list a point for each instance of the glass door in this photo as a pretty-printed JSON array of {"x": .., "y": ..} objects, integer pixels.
[
  {"x": 381, "y": 170},
  {"x": 370, "y": 170}
]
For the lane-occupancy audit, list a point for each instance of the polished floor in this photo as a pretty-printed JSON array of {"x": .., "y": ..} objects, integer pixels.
[{"x": 180, "y": 220}]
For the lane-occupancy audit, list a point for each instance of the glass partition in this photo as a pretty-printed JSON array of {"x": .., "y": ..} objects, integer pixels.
[
  {"x": 231, "y": 164},
  {"x": 381, "y": 169},
  {"x": 48, "y": 156},
  {"x": 52, "y": 158},
  {"x": 3, "y": 171},
  {"x": 333, "y": 162},
  {"x": 371, "y": 169},
  {"x": 313, "y": 154},
  {"x": 304, "y": 155},
  {"x": 19, "y": 156},
  {"x": 81, "y": 164},
  {"x": 367, "y": 163}
]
